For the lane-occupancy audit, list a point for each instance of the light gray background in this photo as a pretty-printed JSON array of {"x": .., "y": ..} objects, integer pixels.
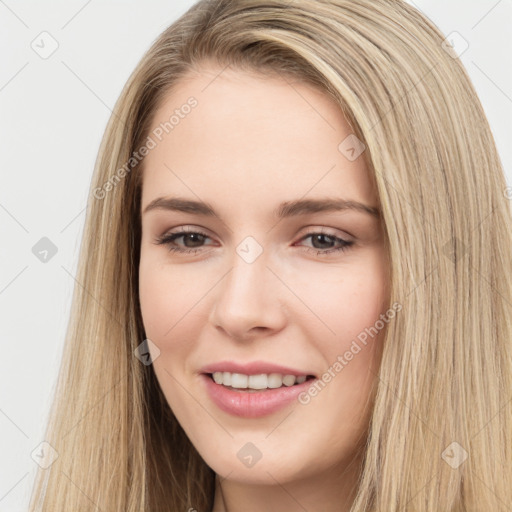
[{"x": 53, "y": 113}]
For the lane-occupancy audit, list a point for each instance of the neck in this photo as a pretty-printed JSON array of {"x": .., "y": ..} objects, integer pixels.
[{"x": 332, "y": 490}]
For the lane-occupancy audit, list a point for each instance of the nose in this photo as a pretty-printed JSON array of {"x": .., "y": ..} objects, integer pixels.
[{"x": 249, "y": 301}]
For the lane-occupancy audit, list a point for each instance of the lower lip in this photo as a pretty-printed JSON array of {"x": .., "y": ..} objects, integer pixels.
[{"x": 253, "y": 404}]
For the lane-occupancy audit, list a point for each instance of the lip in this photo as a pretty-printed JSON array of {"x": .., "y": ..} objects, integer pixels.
[
  {"x": 255, "y": 404},
  {"x": 253, "y": 368}
]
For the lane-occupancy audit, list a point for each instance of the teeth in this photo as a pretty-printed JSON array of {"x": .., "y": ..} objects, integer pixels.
[
  {"x": 274, "y": 380},
  {"x": 239, "y": 380},
  {"x": 261, "y": 381},
  {"x": 257, "y": 381}
]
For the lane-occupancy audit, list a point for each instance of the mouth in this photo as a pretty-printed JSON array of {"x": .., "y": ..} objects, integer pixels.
[
  {"x": 236, "y": 395},
  {"x": 257, "y": 383}
]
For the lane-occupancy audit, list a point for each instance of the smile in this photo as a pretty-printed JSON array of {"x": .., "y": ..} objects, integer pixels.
[
  {"x": 238, "y": 398},
  {"x": 254, "y": 382}
]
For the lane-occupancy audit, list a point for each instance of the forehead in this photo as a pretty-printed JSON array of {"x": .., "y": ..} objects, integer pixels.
[{"x": 249, "y": 137}]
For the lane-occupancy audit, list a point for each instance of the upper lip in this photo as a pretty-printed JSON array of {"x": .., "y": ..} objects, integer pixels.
[{"x": 253, "y": 368}]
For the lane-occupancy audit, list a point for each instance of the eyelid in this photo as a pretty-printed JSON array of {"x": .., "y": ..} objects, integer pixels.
[
  {"x": 314, "y": 228},
  {"x": 187, "y": 228},
  {"x": 168, "y": 238},
  {"x": 304, "y": 231}
]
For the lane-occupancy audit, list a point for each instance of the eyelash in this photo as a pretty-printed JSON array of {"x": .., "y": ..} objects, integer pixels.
[{"x": 169, "y": 239}]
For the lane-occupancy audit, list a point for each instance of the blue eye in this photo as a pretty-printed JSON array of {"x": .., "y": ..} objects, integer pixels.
[{"x": 197, "y": 238}]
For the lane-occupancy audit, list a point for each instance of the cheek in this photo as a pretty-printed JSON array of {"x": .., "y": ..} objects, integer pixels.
[
  {"x": 349, "y": 300},
  {"x": 173, "y": 311},
  {"x": 351, "y": 307},
  {"x": 167, "y": 298},
  {"x": 166, "y": 303},
  {"x": 153, "y": 296}
]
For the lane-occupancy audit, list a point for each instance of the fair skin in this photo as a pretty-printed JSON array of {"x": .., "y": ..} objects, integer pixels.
[{"x": 249, "y": 145}]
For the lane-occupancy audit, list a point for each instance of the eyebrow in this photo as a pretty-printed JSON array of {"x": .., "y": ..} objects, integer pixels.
[{"x": 284, "y": 210}]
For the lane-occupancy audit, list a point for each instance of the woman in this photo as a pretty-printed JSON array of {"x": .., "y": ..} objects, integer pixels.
[{"x": 296, "y": 276}]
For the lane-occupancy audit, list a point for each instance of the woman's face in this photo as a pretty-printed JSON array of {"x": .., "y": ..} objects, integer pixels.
[{"x": 266, "y": 279}]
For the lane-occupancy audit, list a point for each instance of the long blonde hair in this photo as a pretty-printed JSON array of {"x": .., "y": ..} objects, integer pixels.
[{"x": 440, "y": 435}]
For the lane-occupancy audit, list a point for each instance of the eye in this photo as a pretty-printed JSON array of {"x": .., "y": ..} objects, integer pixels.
[
  {"x": 194, "y": 240},
  {"x": 322, "y": 238},
  {"x": 191, "y": 237}
]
